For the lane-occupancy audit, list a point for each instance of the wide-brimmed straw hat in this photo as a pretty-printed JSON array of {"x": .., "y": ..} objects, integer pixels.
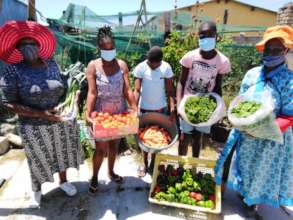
[
  {"x": 13, "y": 31},
  {"x": 282, "y": 32}
]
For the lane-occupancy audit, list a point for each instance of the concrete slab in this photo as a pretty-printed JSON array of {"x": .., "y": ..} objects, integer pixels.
[{"x": 113, "y": 201}]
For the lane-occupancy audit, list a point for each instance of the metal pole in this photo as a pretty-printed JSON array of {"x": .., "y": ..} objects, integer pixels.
[{"x": 135, "y": 27}]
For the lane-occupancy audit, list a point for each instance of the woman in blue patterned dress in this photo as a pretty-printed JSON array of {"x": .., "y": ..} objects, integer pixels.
[
  {"x": 108, "y": 91},
  {"x": 31, "y": 87},
  {"x": 262, "y": 170}
]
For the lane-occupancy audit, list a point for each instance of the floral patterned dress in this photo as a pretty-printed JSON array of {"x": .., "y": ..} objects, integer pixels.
[
  {"x": 50, "y": 147},
  {"x": 262, "y": 170},
  {"x": 110, "y": 96}
]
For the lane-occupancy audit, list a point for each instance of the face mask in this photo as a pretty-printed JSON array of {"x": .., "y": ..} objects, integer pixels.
[
  {"x": 29, "y": 52},
  {"x": 108, "y": 55},
  {"x": 289, "y": 58},
  {"x": 272, "y": 61},
  {"x": 207, "y": 44}
]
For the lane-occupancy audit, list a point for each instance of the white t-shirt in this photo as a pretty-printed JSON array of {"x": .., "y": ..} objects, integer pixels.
[{"x": 153, "y": 94}]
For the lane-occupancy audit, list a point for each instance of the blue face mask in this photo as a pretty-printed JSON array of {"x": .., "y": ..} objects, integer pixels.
[
  {"x": 207, "y": 44},
  {"x": 272, "y": 61}
]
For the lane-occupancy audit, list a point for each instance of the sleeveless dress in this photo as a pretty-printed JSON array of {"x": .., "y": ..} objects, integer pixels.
[{"x": 110, "y": 96}]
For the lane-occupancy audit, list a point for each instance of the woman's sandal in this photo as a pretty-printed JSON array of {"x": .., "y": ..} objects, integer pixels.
[
  {"x": 93, "y": 187},
  {"x": 116, "y": 178},
  {"x": 141, "y": 171}
]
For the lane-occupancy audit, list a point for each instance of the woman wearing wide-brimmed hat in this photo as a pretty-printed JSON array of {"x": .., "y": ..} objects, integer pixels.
[
  {"x": 31, "y": 86},
  {"x": 262, "y": 169}
]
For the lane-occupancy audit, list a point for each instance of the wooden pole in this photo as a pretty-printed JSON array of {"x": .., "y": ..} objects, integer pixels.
[{"x": 32, "y": 10}]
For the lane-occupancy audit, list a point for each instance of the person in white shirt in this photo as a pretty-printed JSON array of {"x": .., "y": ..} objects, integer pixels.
[{"x": 153, "y": 88}]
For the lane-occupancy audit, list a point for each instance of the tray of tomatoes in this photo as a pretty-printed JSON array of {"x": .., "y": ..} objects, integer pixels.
[{"x": 113, "y": 126}]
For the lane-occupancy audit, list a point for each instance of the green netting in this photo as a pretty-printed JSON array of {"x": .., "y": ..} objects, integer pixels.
[
  {"x": 76, "y": 31},
  {"x": 82, "y": 17}
]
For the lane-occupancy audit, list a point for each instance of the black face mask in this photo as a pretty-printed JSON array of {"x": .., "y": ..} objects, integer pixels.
[{"x": 29, "y": 52}]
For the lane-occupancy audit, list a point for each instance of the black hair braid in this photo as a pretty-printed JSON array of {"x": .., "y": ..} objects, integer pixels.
[{"x": 104, "y": 33}]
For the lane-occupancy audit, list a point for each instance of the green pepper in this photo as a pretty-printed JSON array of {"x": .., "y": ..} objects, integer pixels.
[
  {"x": 193, "y": 202},
  {"x": 171, "y": 190},
  {"x": 161, "y": 196},
  {"x": 187, "y": 174},
  {"x": 185, "y": 200},
  {"x": 209, "y": 204},
  {"x": 189, "y": 201},
  {"x": 170, "y": 197},
  {"x": 178, "y": 187},
  {"x": 184, "y": 185},
  {"x": 186, "y": 193},
  {"x": 189, "y": 181},
  {"x": 201, "y": 203}
]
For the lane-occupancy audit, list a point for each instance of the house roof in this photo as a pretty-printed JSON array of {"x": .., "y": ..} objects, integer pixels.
[{"x": 240, "y": 2}]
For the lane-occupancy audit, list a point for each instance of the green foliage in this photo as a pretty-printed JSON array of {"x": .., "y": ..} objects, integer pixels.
[
  {"x": 245, "y": 108},
  {"x": 242, "y": 59},
  {"x": 88, "y": 149},
  {"x": 132, "y": 59},
  {"x": 176, "y": 47},
  {"x": 199, "y": 109}
]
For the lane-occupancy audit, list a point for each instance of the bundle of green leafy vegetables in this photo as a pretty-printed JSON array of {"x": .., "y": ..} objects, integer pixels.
[
  {"x": 245, "y": 109},
  {"x": 76, "y": 80},
  {"x": 199, "y": 109},
  {"x": 184, "y": 186}
]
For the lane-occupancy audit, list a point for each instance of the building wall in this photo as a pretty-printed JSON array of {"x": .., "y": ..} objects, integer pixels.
[
  {"x": 12, "y": 10},
  {"x": 285, "y": 15},
  {"x": 238, "y": 14}
]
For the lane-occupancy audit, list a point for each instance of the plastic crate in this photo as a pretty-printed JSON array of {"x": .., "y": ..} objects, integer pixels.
[{"x": 204, "y": 166}]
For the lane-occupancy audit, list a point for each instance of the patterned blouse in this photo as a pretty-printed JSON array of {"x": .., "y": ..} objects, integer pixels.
[{"x": 38, "y": 88}]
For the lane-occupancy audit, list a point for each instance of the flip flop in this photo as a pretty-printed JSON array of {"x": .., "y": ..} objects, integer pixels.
[
  {"x": 141, "y": 171},
  {"x": 116, "y": 178},
  {"x": 93, "y": 187}
]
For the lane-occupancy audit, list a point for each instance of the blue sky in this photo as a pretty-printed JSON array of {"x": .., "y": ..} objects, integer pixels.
[{"x": 54, "y": 8}]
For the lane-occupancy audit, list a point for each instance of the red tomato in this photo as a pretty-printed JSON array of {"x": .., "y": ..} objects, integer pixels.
[
  {"x": 192, "y": 194},
  {"x": 198, "y": 197}
]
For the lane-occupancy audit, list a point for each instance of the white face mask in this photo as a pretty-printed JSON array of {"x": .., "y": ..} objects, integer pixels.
[{"x": 108, "y": 55}]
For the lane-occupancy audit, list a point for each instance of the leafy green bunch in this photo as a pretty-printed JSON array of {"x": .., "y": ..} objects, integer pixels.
[
  {"x": 245, "y": 109},
  {"x": 199, "y": 109}
]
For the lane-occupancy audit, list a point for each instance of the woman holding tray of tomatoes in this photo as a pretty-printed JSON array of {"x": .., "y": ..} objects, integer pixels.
[{"x": 108, "y": 91}]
